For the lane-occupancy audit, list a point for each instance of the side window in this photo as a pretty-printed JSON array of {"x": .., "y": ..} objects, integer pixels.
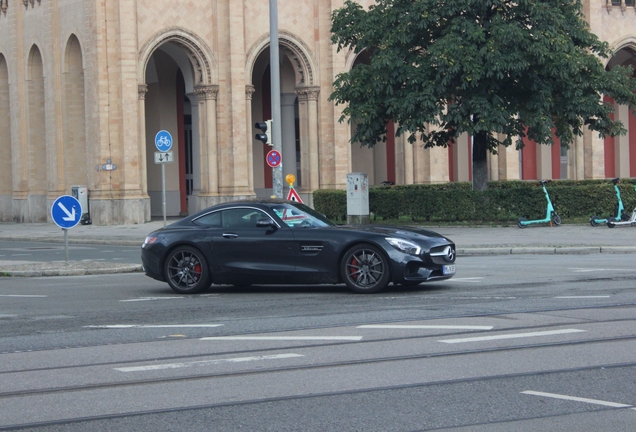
[
  {"x": 241, "y": 217},
  {"x": 210, "y": 219}
]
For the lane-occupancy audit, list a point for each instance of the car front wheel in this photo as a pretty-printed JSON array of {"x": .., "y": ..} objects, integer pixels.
[
  {"x": 187, "y": 271},
  {"x": 364, "y": 269}
]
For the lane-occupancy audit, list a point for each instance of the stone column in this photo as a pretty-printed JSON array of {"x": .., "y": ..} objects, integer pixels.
[
  {"x": 621, "y": 153},
  {"x": 209, "y": 144},
  {"x": 249, "y": 92},
  {"x": 288, "y": 135},
  {"x": 142, "y": 89},
  {"x": 309, "y": 145},
  {"x": 544, "y": 161}
]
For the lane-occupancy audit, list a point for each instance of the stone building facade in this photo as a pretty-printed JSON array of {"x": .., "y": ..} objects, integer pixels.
[{"x": 85, "y": 85}]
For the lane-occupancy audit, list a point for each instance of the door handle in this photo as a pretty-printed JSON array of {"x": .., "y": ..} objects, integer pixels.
[{"x": 230, "y": 235}]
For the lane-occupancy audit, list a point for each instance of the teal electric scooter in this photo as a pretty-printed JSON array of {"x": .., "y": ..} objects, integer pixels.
[
  {"x": 551, "y": 215},
  {"x": 618, "y": 209},
  {"x": 612, "y": 222}
]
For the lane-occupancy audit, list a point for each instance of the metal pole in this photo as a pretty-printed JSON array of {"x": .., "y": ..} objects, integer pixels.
[
  {"x": 274, "y": 65},
  {"x": 163, "y": 191},
  {"x": 66, "y": 243}
]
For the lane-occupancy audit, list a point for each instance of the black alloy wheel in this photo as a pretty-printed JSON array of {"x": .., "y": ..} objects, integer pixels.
[
  {"x": 365, "y": 269},
  {"x": 186, "y": 271}
]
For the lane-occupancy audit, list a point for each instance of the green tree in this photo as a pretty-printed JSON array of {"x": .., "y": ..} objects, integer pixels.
[{"x": 439, "y": 68}]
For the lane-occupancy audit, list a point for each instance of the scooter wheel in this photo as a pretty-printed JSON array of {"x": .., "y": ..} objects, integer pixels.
[
  {"x": 593, "y": 221},
  {"x": 610, "y": 222},
  {"x": 519, "y": 224},
  {"x": 556, "y": 219}
]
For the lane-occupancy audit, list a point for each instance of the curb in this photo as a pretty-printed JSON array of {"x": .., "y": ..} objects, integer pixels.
[
  {"x": 62, "y": 271},
  {"x": 564, "y": 250}
]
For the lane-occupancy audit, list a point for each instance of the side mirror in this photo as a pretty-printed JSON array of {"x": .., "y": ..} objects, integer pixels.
[{"x": 265, "y": 223}]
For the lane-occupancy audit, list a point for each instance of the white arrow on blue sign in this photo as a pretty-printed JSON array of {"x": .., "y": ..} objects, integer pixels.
[
  {"x": 66, "y": 211},
  {"x": 163, "y": 141}
]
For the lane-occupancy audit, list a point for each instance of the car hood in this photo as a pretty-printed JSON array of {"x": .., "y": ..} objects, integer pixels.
[{"x": 415, "y": 233}]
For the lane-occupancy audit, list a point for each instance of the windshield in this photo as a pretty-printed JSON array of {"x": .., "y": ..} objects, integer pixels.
[{"x": 300, "y": 216}]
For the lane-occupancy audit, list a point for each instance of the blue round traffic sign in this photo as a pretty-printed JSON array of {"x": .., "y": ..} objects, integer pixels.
[
  {"x": 66, "y": 211},
  {"x": 273, "y": 158},
  {"x": 163, "y": 141}
]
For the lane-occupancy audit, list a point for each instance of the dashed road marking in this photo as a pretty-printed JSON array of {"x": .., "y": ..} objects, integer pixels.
[
  {"x": 23, "y": 295},
  {"x": 513, "y": 336},
  {"x": 578, "y": 399},
  {"x": 151, "y": 299},
  {"x": 284, "y": 338},
  {"x": 127, "y": 326},
  {"x": 205, "y": 362},
  {"x": 441, "y": 327},
  {"x": 582, "y": 297}
]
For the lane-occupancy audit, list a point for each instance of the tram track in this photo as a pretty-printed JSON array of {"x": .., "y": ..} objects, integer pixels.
[{"x": 296, "y": 397}]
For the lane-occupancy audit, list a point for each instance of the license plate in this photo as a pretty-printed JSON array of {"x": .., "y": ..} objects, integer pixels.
[{"x": 448, "y": 269}]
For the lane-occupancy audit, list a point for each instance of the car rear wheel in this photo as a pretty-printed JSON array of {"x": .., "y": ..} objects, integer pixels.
[
  {"x": 187, "y": 271},
  {"x": 364, "y": 269}
]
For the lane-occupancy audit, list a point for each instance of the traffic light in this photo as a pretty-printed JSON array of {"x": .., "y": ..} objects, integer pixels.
[{"x": 265, "y": 137}]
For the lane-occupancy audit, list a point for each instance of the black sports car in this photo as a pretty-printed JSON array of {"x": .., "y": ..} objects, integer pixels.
[{"x": 274, "y": 241}]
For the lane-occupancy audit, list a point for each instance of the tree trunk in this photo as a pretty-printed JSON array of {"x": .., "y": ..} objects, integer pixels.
[{"x": 480, "y": 167}]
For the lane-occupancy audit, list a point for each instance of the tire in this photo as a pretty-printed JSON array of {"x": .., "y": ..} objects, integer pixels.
[
  {"x": 593, "y": 221},
  {"x": 364, "y": 269},
  {"x": 610, "y": 222},
  {"x": 187, "y": 271},
  {"x": 556, "y": 219},
  {"x": 519, "y": 224}
]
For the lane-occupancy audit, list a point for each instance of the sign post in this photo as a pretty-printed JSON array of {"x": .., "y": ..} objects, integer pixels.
[
  {"x": 66, "y": 213},
  {"x": 163, "y": 142}
]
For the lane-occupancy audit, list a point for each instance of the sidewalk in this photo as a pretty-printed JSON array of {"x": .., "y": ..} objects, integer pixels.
[{"x": 482, "y": 240}]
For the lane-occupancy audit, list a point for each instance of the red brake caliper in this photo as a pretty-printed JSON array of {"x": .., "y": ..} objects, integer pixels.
[{"x": 353, "y": 263}]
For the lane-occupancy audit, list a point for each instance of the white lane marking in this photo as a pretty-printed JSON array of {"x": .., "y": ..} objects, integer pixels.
[
  {"x": 150, "y": 299},
  {"x": 578, "y": 399},
  {"x": 283, "y": 338},
  {"x": 205, "y": 362},
  {"x": 442, "y": 327},
  {"x": 126, "y": 326},
  {"x": 23, "y": 295},
  {"x": 21, "y": 255},
  {"x": 588, "y": 270},
  {"x": 580, "y": 297},
  {"x": 513, "y": 336},
  {"x": 467, "y": 279}
]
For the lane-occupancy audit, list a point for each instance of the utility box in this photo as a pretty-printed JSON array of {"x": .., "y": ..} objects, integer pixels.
[
  {"x": 80, "y": 193},
  {"x": 357, "y": 198}
]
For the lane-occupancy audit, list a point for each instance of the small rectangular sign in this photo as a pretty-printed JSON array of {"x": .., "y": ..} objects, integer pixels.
[{"x": 164, "y": 157}]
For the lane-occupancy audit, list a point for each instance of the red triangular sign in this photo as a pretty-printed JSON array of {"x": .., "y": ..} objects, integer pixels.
[{"x": 293, "y": 195}]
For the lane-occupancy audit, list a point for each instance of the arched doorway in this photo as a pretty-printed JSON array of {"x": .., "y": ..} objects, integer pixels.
[
  {"x": 378, "y": 161},
  {"x": 261, "y": 111},
  {"x": 36, "y": 138},
  {"x": 6, "y": 175},
  {"x": 171, "y": 104},
  {"x": 620, "y": 151}
]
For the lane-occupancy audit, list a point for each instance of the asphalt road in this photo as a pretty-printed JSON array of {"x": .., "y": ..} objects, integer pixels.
[
  {"x": 25, "y": 251},
  {"x": 524, "y": 343}
]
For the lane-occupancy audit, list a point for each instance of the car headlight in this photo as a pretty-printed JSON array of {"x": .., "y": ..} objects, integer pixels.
[
  {"x": 404, "y": 245},
  {"x": 149, "y": 240}
]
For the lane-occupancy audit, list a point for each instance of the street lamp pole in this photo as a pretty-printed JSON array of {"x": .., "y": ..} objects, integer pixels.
[{"x": 274, "y": 65}]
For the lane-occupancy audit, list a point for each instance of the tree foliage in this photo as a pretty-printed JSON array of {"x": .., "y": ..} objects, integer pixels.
[{"x": 439, "y": 68}]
